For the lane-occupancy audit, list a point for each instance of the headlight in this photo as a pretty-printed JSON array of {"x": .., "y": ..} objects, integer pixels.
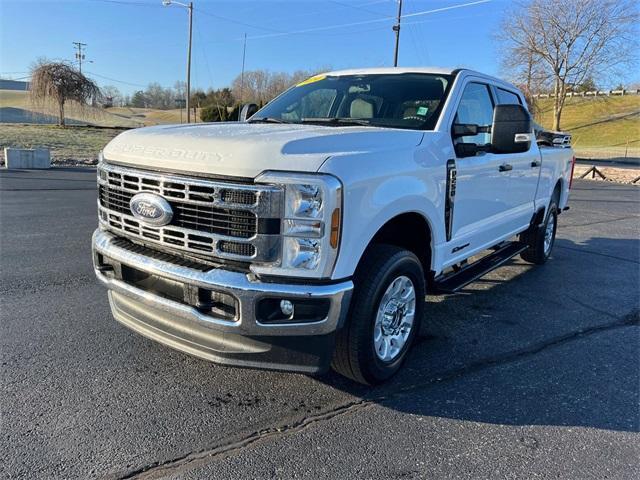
[{"x": 311, "y": 224}]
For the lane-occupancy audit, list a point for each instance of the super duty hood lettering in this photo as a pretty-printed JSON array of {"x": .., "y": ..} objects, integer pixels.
[{"x": 245, "y": 150}]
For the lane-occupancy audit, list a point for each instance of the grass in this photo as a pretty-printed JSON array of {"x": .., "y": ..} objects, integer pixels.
[
  {"x": 151, "y": 116},
  {"x": 13, "y": 98},
  {"x": 598, "y": 122},
  {"x": 66, "y": 143},
  {"x": 105, "y": 117}
]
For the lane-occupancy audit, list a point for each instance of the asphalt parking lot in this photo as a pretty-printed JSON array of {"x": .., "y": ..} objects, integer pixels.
[{"x": 532, "y": 372}]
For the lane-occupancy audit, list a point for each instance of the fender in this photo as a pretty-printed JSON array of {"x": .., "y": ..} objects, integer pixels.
[
  {"x": 351, "y": 253},
  {"x": 369, "y": 209},
  {"x": 379, "y": 186}
]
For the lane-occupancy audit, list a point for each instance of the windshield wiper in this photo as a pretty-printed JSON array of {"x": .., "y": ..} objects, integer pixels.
[
  {"x": 337, "y": 121},
  {"x": 266, "y": 120}
]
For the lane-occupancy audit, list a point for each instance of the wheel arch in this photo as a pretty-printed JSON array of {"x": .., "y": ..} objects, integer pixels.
[
  {"x": 557, "y": 190},
  {"x": 409, "y": 230}
]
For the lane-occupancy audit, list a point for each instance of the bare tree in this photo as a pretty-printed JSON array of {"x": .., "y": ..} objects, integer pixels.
[
  {"x": 60, "y": 82},
  {"x": 261, "y": 86},
  {"x": 564, "y": 43}
]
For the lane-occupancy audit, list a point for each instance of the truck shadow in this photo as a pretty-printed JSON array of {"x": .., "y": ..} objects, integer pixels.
[{"x": 553, "y": 345}]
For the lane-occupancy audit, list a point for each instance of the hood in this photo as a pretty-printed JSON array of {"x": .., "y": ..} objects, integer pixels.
[{"x": 246, "y": 150}]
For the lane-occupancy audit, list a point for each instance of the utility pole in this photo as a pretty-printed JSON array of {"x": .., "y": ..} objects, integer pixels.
[
  {"x": 396, "y": 28},
  {"x": 190, "y": 7},
  {"x": 79, "y": 54},
  {"x": 244, "y": 54}
]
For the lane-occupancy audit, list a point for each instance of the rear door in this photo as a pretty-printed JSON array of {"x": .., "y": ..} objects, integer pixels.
[{"x": 525, "y": 170}]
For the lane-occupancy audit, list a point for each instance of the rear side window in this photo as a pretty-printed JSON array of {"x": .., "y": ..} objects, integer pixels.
[{"x": 505, "y": 97}]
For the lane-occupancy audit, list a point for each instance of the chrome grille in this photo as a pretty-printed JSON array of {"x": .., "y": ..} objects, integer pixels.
[
  {"x": 209, "y": 217},
  {"x": 222, "y": 221}
]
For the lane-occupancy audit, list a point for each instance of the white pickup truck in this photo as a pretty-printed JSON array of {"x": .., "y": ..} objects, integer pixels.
[{"x": 308, "y": 235}]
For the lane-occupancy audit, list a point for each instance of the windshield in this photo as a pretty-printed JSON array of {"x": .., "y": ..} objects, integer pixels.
[{"x": 407, "y": 100}]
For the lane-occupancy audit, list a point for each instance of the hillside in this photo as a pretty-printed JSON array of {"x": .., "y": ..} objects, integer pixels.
[
  {"x": 150, "y": 116},
  {"x": 16, "y": 107},
  {"x": 601, "y": 126}
]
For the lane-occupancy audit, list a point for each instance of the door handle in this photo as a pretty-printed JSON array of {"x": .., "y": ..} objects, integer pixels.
[
  {"x": 536, "y": 164},
  {"x": 505, "y": 167}
]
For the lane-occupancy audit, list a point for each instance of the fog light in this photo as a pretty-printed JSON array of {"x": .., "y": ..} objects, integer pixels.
[
  {"x": 286, "y": 311},
  {"x": 286, "y": 307}
]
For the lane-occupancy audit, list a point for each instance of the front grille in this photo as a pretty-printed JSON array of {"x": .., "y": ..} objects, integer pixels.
[
  {"x": 233, "y": 221},
  {"x": 204, "y": 218}
]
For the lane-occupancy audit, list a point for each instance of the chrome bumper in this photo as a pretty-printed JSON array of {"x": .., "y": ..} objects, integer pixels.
[{"x": 183, "y": 327}]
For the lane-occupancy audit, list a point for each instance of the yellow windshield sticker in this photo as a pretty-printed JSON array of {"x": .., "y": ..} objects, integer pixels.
[{"x": 314, "y": 79}]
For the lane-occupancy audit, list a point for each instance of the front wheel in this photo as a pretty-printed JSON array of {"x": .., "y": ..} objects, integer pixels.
[
  {"x": 384, "y": 318},
  {"x": 541, "y": 237}
]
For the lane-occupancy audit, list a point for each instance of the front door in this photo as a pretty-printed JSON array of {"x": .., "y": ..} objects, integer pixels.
[{"x": 480, "y": 206}]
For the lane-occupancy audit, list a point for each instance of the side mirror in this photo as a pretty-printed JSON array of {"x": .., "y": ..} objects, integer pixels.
[
  {"x": 512, "y": 129},
  {"x": 248, "y": 109},
  {"x": 466, "y": 150},
  {"x": 464, "y": 130}
]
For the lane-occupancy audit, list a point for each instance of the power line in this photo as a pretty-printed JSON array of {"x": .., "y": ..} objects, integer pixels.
[
  {"x": 364, "y": 22},
  {"x": 237, "y": 22},
  {"x": 451, "y": 7},
  {"x": 203, "y": 52},
  {"x": 116, "y": 80},
  {"x": 416, "y": 46},
  {"x": 317, "y": 12},
  {"x": 200, "y": 10},
  {"x": 359, "y": 8}
]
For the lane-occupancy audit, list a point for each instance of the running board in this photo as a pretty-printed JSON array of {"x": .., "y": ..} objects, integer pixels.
[{"x": 455, "y": 281}]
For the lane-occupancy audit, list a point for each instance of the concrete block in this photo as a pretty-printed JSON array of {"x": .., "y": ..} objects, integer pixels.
[{"x": 27, "y": 158}]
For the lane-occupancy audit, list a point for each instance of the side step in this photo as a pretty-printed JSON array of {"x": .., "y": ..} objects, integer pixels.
[{"x": 454, "y": 281}]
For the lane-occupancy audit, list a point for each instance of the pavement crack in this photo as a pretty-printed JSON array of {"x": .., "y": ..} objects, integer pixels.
[
  {"x": 632, "y": 319},
  {"x": 194, "y": 459},
  {"x": 235, "y": 445},
  {"x": 591, "y": 307}
]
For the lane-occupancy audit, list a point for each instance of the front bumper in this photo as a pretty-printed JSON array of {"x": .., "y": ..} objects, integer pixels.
[{"x": 243, "y": 341}]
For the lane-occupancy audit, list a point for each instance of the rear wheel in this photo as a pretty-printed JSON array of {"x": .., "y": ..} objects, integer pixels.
[
  {"x": 384, "y": 317},
  {"x": 541, "y": 238}
]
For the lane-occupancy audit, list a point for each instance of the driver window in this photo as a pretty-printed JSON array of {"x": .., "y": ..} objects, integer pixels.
[{"x": 475, "y": 107}]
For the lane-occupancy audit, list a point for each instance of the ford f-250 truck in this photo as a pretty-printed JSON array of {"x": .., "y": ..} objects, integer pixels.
[{"x": 308, "y": 235}]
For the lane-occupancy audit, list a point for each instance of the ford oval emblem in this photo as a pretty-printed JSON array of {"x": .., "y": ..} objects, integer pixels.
[{"x": 151, "y": 209}]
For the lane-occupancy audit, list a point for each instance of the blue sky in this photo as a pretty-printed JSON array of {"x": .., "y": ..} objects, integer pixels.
[{"x": 140, "y": 41}]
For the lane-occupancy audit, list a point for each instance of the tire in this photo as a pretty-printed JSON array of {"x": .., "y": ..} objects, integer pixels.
[
  {"x": 541, "y": 238},
  {"x": 390, "y": 273}
]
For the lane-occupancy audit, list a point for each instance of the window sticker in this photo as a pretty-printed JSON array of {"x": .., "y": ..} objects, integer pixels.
[
  {"x": 422, "y": 111},
  {"x": 314, "y": 79}
]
